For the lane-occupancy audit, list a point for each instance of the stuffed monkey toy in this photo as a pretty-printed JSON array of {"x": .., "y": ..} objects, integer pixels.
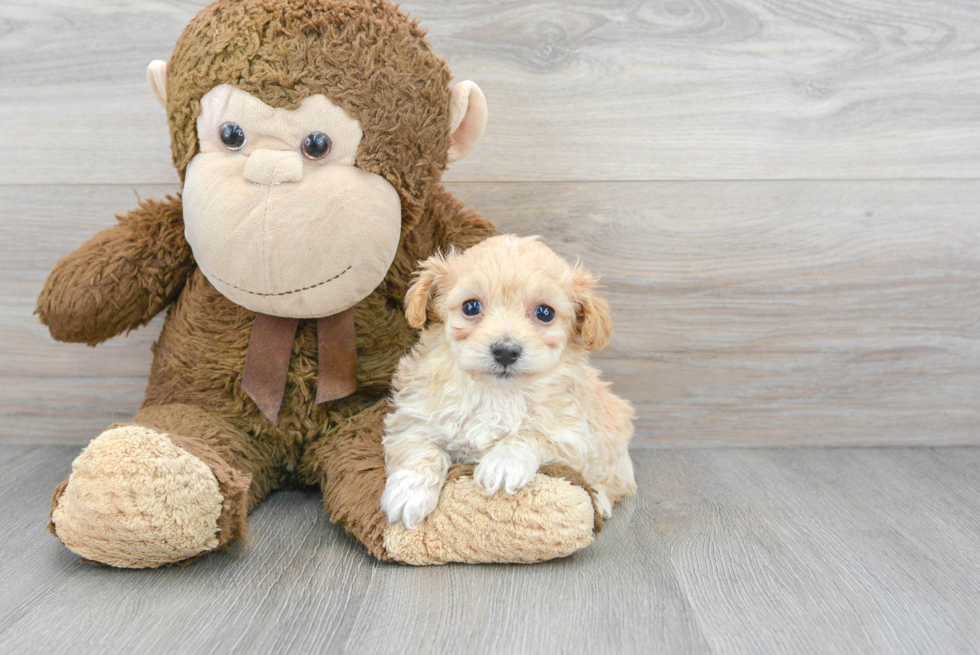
[{"x": 310, "y": 137}]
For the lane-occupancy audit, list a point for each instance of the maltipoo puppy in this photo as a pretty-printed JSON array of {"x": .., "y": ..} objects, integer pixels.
[{"x": 501, "y": 379}]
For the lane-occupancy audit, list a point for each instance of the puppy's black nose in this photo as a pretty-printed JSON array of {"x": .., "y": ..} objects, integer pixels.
[{"x": 505, "y": 354}]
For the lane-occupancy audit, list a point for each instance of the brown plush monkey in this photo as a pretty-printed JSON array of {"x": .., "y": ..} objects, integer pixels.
[{"x": 310, "y": 137}]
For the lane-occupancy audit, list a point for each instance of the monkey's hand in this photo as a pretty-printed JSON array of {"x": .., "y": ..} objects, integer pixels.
[{"x": 120, "y": 278}]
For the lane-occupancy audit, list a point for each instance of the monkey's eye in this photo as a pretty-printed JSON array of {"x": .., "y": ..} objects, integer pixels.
[
  {"x": 232, "y": 135},
  {"x": 472, "y": 307},
  {"x": 316, "y": 145},
  {"x": 544, "y": 313}
]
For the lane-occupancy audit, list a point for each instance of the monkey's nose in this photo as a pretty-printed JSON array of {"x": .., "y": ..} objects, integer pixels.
[
  {"x": 505, "y": 354},
  {"x": 274, "y": 167}
]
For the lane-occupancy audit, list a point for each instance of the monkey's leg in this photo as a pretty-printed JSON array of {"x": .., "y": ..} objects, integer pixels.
[
  {"x": 175, "y": 483},
  {"x": 553, "y": 516}
]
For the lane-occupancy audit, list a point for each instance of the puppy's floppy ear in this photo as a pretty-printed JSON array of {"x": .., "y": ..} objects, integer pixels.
[
  {"x": 431, "y": 274},
  {"x": 593, "y": 317}
]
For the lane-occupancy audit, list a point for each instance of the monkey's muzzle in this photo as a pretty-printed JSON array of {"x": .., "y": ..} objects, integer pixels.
[
  {"x": 279, "y": 238},
  {"x": 274, "y": 167}
]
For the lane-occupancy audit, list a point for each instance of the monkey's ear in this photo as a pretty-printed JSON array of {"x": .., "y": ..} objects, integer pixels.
[
  {"x": 156, "y": 75},
  {"x": 467, "y": 119},
  {"x": 430, "y": 276}
]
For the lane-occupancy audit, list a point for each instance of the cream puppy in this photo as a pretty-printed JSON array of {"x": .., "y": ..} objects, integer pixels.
[{"x": 500, "y": 378}]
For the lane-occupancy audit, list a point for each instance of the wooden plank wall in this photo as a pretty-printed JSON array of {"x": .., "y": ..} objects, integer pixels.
[{"x": 781, "y": 197}]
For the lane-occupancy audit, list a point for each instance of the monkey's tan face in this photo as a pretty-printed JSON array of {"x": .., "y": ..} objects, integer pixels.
[{"x": 279, "y": 218}]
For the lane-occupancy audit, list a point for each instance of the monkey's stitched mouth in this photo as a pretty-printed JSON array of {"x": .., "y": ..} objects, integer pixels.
[{"x": 281, "y": 293}]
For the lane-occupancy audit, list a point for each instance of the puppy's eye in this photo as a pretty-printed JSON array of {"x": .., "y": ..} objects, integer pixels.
[
  {"x": 544, "y": 314},
  {"x": 232, "y": 135},
  {"x": 316, "y": 145},
  {"x": 472, "y": 307}
]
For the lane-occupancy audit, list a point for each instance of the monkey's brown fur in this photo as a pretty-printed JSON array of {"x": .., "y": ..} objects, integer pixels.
[{"x": 375, "y": 63}]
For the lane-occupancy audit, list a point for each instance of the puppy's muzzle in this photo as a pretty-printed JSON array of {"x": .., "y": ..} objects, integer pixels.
[{"x": 505, "y": 354}]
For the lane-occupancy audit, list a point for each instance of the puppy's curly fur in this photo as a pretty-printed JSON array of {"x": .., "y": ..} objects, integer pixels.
[{"x": 500, "y": 379}]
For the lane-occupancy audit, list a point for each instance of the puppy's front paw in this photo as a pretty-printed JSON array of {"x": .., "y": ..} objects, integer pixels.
[
  {"x": 605, "y": 505},
  {"x": 505, "y": 470},
  {"x": 409, "y": 497}
]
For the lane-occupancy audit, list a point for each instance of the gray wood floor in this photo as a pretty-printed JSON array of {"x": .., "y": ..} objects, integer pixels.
[{"x": 722, "y": 551}]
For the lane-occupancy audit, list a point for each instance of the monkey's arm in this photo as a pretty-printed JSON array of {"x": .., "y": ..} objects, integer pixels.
[{"x": 120, "y": 278}]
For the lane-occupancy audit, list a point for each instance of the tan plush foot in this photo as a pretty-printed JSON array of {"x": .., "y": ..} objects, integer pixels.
[
  {"x": 548, "y": 518},
  {"x": 136, "y": 500}
]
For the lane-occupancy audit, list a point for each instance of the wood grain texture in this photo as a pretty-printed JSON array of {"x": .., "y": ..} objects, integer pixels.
[
  {"x": 577, "y": 90},
  {"x": 824, "y": 550},
  {"x": 722, "y": 551},
  {"x": 819, "y": 313},
  {"x": 778, "y": 313}
]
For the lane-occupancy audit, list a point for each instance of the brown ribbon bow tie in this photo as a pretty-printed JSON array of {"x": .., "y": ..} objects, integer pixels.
[{"x": 269, "y": 350}]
